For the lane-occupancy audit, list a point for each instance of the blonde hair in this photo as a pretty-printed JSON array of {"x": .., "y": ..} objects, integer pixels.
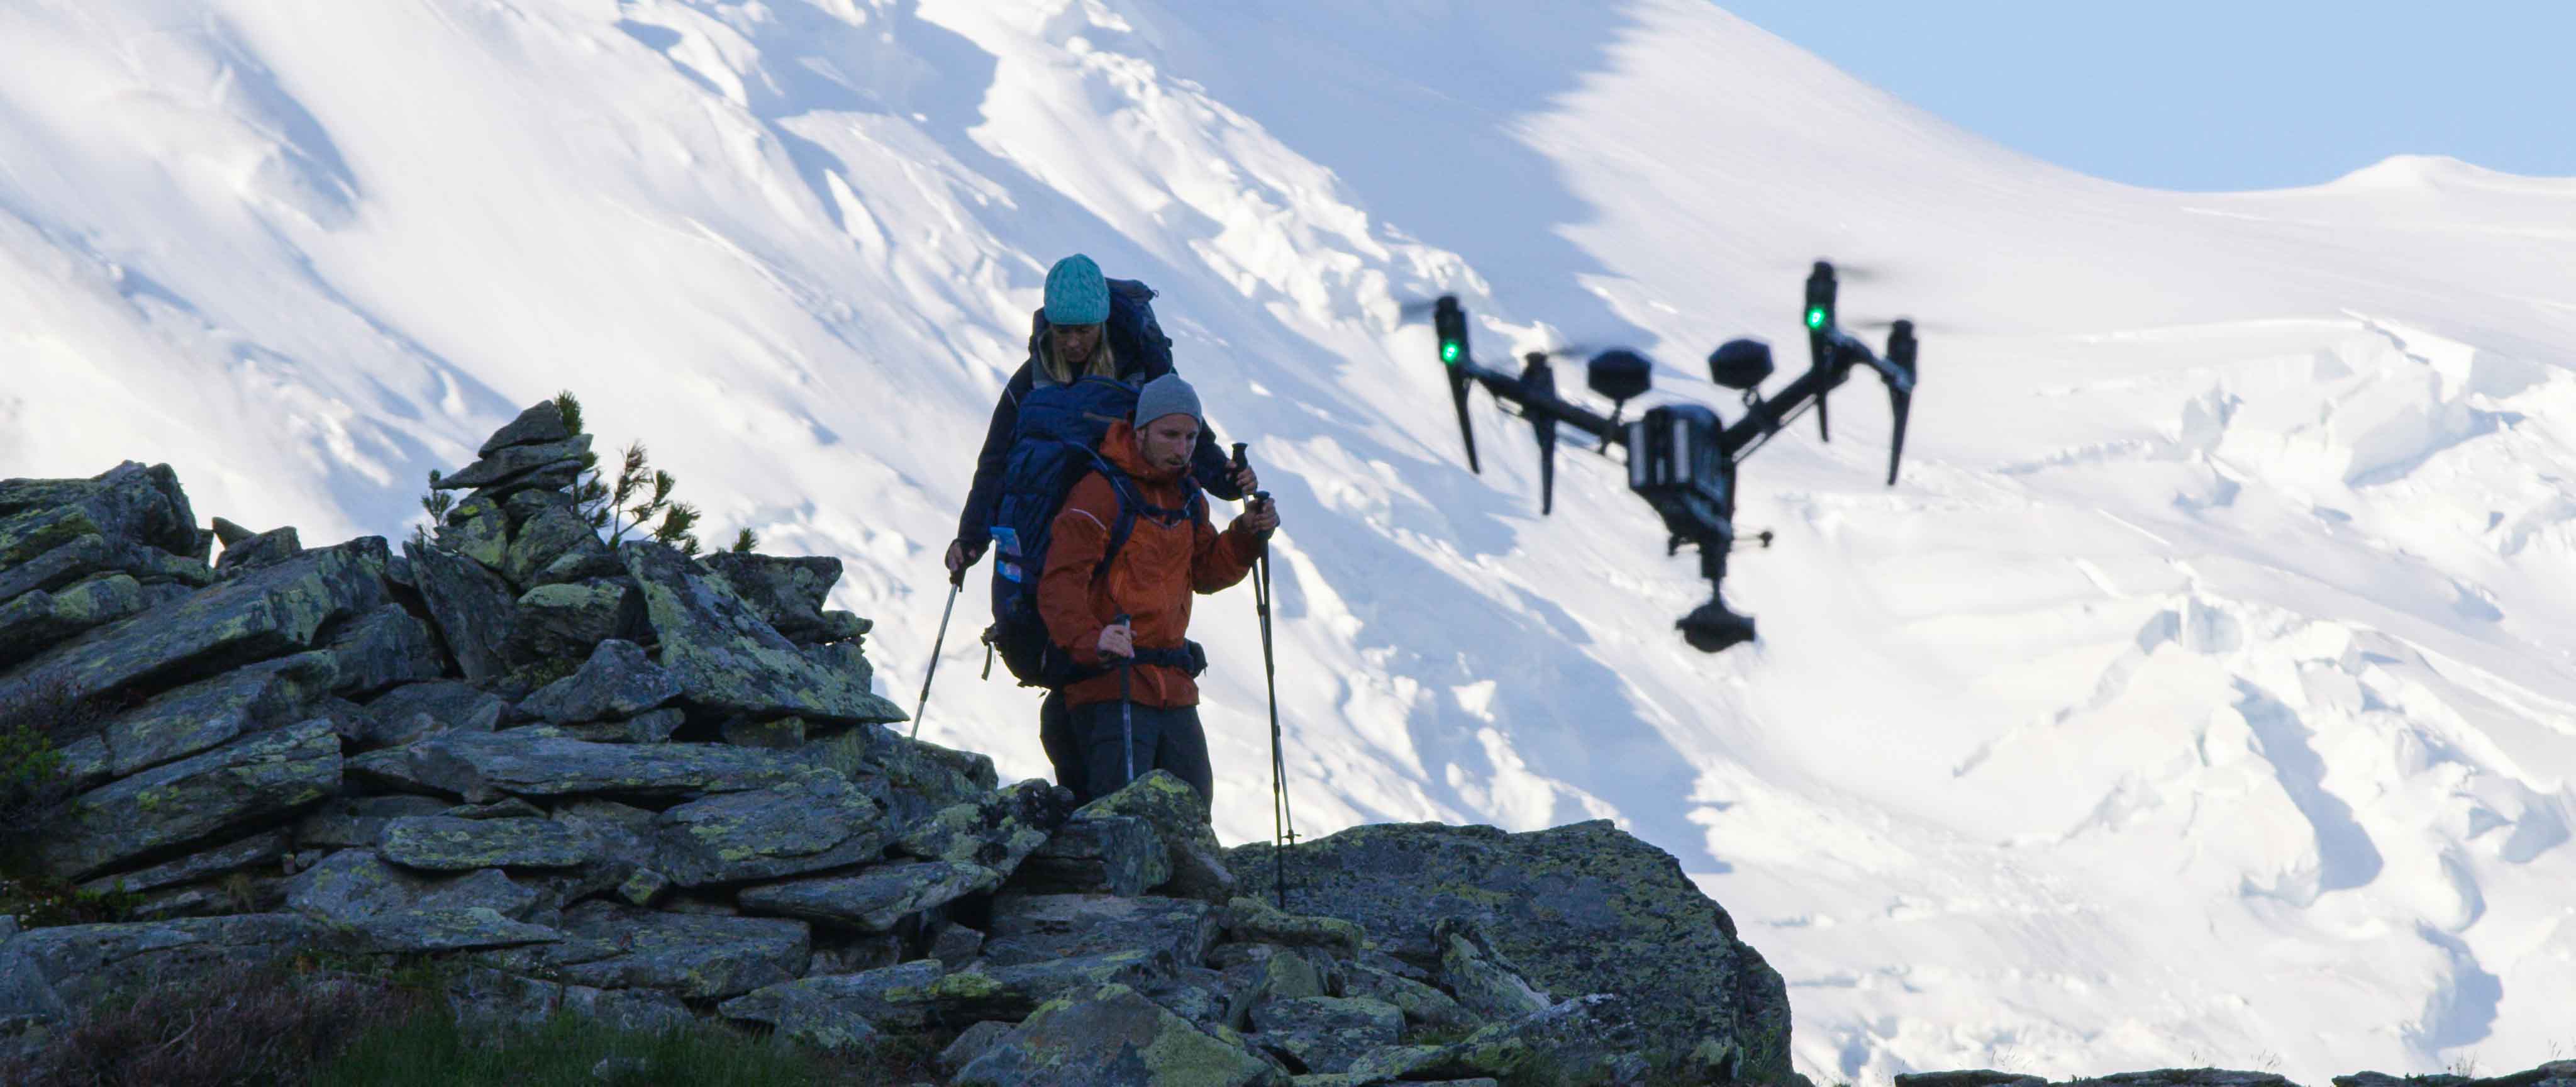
[{"x": 1104, "y": 362}]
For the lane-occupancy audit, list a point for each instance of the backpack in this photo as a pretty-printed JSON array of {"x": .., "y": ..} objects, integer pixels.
[
  {"x": 1058, "y": 443},
  {"x": 1132, "y": 331}
]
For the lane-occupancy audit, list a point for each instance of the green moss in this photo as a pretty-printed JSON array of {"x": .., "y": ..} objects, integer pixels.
[
  {"x": 543, "y": 672},
  {"x": 964, "y": 986}
]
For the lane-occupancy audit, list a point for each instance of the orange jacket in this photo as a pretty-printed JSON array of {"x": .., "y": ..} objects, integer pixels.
[{"x": 1150, "y": 581}]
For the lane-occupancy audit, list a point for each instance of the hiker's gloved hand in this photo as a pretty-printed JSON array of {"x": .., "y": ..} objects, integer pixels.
[
  {"x": 961, "y": 556},
  {"x": 1258, "y": 520},
  {"x": 1245, "y": 480},
  {"x": 1117, "y": 641}
]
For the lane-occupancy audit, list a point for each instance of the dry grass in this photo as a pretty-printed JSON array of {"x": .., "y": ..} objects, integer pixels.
[{"x": 240, "y": 1025}]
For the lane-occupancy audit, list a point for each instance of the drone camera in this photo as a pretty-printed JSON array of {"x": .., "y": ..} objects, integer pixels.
[{"x": 1712, "y": 627}]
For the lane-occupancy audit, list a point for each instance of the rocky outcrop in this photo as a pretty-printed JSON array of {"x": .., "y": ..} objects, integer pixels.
[
  {"x": 1575, "y": 911},
  {"x": 626, "y": 783}
]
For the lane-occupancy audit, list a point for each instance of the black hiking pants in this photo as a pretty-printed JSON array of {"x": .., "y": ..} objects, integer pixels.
[
  {"x": 1162, "y": 739},
  {"x": 1063, "y": 751}
]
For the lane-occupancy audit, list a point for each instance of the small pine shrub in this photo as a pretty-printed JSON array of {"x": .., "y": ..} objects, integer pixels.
[
  {"x": 639, "y": 493},
  {"x": 34, "y": 730},
  {"x": 435, "y": 503}
]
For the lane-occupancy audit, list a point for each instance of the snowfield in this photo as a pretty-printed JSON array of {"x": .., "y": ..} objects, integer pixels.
[{"x": 2205, "y": 694}]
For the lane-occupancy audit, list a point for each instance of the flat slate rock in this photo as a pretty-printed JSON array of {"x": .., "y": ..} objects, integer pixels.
[
  {"x": 691, "y": 956},
  {"x": 92, "y": 553},
  {"x": 512, "y": 463},
  {"x": 266, "y": 847},
  {"x": 617, "y": 681},
  {"x": 346, "y": 822},
  {"x": 841, "y": 1011},
  {"x": 446, "y": 843},
  {"x": 1064, "y": 926},
  {"x": 540, "y": 424},
  {"x": 875, "y": 899},
  {"x": 82, "y": 965},
  {"x": 988, "y": 990},
  {"x": 254, "y": 778},
  {"x": 810, "y": 823},
  {"x": 204, "y": 715},
  {"x": 1326, "y": 1034},
  {"x": 395, "y": 910},
  {"x": 728, "y": 659},
  {"x": 267, "y": 612},
  {"x": 417, "y": 710},
  {"x": 517, "y": 762},
  {"x": 39, "y": 619}
]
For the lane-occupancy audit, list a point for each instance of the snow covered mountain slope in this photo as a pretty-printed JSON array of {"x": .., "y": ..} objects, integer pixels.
[{"x": 2206, "y": 693}]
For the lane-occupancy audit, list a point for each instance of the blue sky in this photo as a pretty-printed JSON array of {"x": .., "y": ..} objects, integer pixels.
[{"x": 2194, "y": 95}]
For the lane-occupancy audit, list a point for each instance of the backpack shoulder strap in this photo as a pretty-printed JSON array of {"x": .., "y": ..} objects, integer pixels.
[{"x": 1124, "y": 525}]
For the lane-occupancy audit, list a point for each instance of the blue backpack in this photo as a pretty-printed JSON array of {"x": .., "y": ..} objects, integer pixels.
[{"x": 1057, "y": 443}]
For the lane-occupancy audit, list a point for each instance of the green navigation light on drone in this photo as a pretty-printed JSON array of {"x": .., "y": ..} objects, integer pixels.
[
  {"x": 1450, "y": 322},
  {"x": 1816, "y": 317}
]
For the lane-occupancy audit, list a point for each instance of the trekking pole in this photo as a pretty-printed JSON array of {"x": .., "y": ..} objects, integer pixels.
[
  {"x": 1127, "y": 700},
  {"x": 1283, "y": 821},
  {"x": 956, "y": 584}
]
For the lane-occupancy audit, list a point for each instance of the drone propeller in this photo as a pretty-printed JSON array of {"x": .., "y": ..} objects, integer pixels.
[
  {"x": 1854, "y": 273},
  {"x": 1885, "y": 324}
]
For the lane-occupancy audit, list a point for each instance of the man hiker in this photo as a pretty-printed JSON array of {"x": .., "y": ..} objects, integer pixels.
[
  {"x": 1074, "y": 336},
  {"x": 1128, "y": 620}
]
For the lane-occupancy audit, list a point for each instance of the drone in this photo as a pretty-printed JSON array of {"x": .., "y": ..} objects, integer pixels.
[{"x": 1681, "y": 458}]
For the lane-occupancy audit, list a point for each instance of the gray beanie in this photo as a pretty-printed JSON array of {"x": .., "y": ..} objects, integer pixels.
[{"x": 1167, "y": 395}]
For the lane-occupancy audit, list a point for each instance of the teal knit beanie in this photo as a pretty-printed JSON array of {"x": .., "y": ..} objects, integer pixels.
[{"x": 1076, "y": 293}]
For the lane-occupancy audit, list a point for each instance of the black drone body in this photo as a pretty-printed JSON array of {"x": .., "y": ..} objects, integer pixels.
[{"x": 1682, "y": 457}]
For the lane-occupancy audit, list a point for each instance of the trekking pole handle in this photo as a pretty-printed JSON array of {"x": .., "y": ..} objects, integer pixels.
[
  {"x": 1256, "y": 499},
  {"x": 1243, "y": 462}
]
